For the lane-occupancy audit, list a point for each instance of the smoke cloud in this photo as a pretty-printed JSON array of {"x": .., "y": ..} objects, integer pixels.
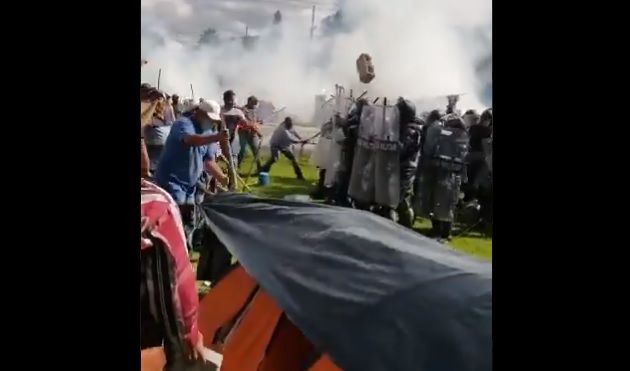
[{"x": 421, "y": 49}]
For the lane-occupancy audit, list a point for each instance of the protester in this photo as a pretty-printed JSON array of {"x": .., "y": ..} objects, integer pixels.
[
  {"x": 191, "y": 146},
  {"x": 248, "y": 132},
  {"x": 178, "y": 108},
  {"x": 281, "y": 141},
  {"x": 169, "y": 112},
  {"x": 231, "y": 114},
  {"x": 155, "y": 133},
  {"x": 162, "y": 235},
  {"x": 150, "y": 98}
]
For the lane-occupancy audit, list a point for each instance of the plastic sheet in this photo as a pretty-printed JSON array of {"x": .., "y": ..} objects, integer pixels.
[{"x": 372, "y": 294}]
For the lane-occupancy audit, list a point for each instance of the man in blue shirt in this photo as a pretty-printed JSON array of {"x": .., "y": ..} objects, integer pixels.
[{"x": 191, "y": 146}]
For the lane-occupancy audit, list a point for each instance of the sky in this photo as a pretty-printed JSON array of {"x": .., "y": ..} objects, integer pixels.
[{"x": 421, "y": 49}]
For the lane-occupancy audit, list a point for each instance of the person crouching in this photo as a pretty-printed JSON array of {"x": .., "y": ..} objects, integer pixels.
[{"x": 281, "y": 141}]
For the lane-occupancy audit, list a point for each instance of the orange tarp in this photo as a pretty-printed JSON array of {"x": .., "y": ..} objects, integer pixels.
[
  {"x": 325, "y": 364},
  {"x": 263, "y": 339},
  {"x": 152, "y": 359},
  {"x": 288, "y": 350},
  {"x": 223, "y": 302},
  {"x": 245, "y": 348}
]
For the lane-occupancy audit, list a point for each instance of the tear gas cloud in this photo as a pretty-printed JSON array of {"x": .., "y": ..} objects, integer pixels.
[{"x": 420, "y": 48}]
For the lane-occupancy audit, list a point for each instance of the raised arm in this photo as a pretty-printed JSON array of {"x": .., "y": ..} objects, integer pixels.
[{"x": 186, "y": 133}]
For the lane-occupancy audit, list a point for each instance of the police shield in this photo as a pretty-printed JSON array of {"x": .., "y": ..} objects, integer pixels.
[
  {"x": 375, "y": 176},
  {"x": 321, "y": 153},
  {"x": 333, "y": 158}
]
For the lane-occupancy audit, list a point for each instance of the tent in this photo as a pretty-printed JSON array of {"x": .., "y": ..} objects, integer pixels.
[{"x": 323, "y": 288}]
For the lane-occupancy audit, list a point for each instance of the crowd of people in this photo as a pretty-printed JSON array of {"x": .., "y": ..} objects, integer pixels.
[
  {"x": 438, "y": 154},
  {"x": 182, "y": 144},
  {"x": 437, "y": 157}
]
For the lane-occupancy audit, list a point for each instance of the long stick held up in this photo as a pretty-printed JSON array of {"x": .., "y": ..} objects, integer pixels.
[
  {"x": 192, "y": 92},
  {"x": 159, "y": 77}
]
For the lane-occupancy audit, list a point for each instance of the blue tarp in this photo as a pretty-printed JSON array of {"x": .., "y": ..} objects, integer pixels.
[{"x": 370, "y": 293}]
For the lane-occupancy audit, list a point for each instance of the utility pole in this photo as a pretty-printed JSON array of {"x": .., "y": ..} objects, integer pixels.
[{"x": 313, "y": 22}]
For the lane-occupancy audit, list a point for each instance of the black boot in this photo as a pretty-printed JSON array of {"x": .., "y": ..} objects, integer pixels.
[
  {"x": 319, "y": 192},
  {"x": 298, "y": 173},
  {"x": 435, "y": 228},
  {"x": 445, "y": 233}
]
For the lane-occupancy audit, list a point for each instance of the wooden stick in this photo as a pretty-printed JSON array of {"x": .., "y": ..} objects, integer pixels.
[
  {"x": 231, "y": 169},
  {"x": 192, "y": 92},
  {"x": 245, "y": 186},
  {"x": 159, "y": 76},
  {"x": 251, "y": 167}
]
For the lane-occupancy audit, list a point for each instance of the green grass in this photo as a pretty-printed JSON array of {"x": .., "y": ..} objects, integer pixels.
[
  {"x": 471, "y": 242},
  {"x": 282, "y": 178},
  {"x": 283, "y": 182}
]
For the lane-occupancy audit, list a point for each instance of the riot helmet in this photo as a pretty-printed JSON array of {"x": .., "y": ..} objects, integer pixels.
[{"x": 486, "y": 117}]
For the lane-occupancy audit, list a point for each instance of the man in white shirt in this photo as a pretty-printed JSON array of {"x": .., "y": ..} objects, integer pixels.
[{"x": 281, "y": 141}]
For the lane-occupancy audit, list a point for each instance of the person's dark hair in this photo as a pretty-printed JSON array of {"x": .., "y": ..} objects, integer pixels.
[
  {"x": 150, "y": 93},
  {"x": 288, "y": 121},
  {"x": 471, "y": 112},
  {"x": 252, "y": 100},
  {"x": 228, "y": 94},
  {"x": 434, "y": 115}
]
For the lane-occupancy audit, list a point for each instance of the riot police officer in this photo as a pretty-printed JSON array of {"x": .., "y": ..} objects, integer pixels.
[
  {"x": 476, "y": 159},
  {"x": 410, "y": 137},
  {"x": 442, "y": 172},
  {"x": 482, "y": 139}
]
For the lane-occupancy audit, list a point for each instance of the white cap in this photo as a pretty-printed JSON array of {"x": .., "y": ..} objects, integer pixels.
[{"x": 211, "y": 108}]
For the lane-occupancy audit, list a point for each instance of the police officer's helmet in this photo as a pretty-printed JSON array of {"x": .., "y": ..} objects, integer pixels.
[
  {"x": 407, "y": 109},
  {"x": 486, "y": 115}
]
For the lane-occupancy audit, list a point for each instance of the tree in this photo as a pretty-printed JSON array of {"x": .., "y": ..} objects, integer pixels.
[
  {"x": 277, "y": 17},
  {"x": 333, "y": 23},
  {"x": 209, "y": 37}
]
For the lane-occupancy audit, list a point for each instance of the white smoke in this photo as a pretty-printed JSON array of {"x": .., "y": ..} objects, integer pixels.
[{"x": 420, "y": 48}]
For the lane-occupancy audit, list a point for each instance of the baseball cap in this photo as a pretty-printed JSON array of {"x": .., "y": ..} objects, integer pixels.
[{"x": 211, "y": 108}]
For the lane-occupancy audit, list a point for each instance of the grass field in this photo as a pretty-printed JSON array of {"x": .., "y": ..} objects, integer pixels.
[{"x": 283, "y": 182}]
